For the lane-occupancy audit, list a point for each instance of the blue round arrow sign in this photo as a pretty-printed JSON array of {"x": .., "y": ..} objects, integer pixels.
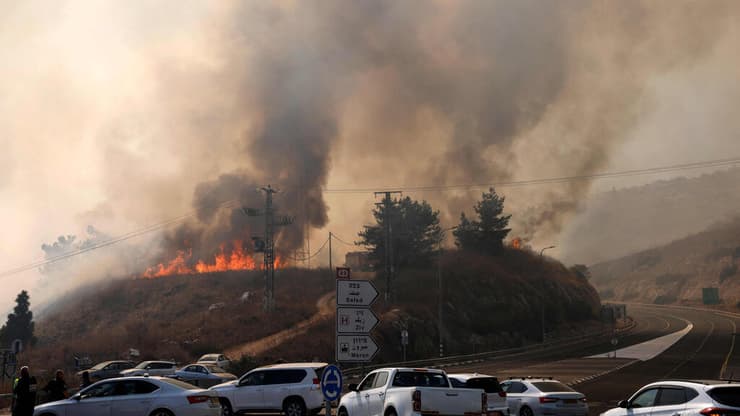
[{"x": 331, "y": 383}]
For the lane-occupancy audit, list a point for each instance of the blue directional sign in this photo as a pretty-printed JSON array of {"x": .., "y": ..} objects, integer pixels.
[{"x": 331, "y": 383}]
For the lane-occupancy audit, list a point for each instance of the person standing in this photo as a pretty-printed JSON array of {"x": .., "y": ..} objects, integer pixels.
[
  {"x": 56, "y": 389},
  {"x": 24, "y": 394},
  {"x": 85, "y": 379}
]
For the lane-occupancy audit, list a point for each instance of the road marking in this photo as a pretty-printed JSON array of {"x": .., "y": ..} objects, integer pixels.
[
  {"x": 651, "y": 349},
  {"x": 732, "y": 348}
]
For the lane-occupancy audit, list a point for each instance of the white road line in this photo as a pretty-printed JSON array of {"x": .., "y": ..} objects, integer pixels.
[{"x": 651, "y": 349}]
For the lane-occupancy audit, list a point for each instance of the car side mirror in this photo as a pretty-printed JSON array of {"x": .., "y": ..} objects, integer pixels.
[
  {"x": 352, "y": 387},
  {"x": 624, "y": 404}
]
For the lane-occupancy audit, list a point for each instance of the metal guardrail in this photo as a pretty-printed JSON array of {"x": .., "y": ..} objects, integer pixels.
[{"x": 553, "y": 346}]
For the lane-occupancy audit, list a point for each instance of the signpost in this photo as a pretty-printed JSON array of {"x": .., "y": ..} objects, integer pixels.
[
  {"x": 355, "y": 319},
  {"x": 331, "y": 385}
]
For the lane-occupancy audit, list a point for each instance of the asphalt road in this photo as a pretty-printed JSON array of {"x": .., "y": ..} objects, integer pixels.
[{"x": 706, "y": 352}]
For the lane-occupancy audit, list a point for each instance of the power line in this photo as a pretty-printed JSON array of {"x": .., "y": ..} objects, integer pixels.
[
  {"x": 344, "y": 242},
  {"x": 114, "y": 240},
  {"x": 311, "y": 255},
  {"x": 542, "y": 181}
]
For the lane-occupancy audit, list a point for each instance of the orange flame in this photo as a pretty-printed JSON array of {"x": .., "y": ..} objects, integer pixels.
[
  {"x": 239, "y": 259},
  {"x": 516, "y": 243}
]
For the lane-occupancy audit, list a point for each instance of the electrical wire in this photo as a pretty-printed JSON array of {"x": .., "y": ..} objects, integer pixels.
[
  {"x": 542, "y": 181},
  {"x": 312, "y": 255},
  {"x": 344, "y": 242}
]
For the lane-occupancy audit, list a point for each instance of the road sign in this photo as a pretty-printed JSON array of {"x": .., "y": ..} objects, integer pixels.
[
  {"x": 331, "y": 383},
  {"x": 343, "y": 272},
  {"x": 355, "y": 293},
  {"x": 355, "y": 320},
  {"x": 356, "y": 348}
]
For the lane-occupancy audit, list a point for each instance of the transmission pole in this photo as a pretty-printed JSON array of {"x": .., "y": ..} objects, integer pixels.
[
  {"x": 269, "y": 258},
  {"x": 388, "y": 231}
]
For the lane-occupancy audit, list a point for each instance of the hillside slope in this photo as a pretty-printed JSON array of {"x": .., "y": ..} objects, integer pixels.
[
  {"x": 489, "y": 302},
  {"x": 677, "y": 272}
]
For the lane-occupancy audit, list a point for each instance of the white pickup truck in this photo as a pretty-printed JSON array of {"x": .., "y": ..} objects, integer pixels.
[{"x": 410, "y": 392}]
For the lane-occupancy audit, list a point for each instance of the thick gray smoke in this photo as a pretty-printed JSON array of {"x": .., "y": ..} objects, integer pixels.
[{"x": 125, "y": 115}]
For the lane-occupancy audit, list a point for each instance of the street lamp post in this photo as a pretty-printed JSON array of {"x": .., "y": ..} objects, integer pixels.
[
  {"x": 542, "y": 302},
  {"x": 440, "y": 298}
]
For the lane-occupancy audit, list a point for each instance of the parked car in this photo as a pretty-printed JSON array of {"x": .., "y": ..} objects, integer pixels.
[
  {"x": 153, "y": 396},
  {"x": 106, "y": 369},
  {"x": 203, "y": 375},
  {"x": 543, "y": 397},
  {"x": 687, "y": 398},
  {"x": 151, "y": 368},
  {"x": 497, "y": 405},
  {"x": 410, "y": 391},
  {"x": 292, "y": 388},
  {"x": 215, "y": 359}
]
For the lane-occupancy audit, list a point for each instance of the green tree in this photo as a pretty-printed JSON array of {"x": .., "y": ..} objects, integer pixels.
[
  {"x": 414, "y": 228},
  {"x": 581, "y": 270},
  {"x": 486, "y": 233},
  {"x": 20, "y": 323}
]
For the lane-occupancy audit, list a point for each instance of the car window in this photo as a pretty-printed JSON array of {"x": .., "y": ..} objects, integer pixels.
[
  {"x": 284, "y": 376},
  {"x": 514, "y": 387},
  {"x": 728, "y": 396},
  {"x": 256, "y": 378},
  {"x": 380, "y": 379},
  {"x": 487, "y": 384},
  {"x": 670, "y": 396},
  {"x": 179, "y": 384},
  {"x": 99, "y": 390},
  {"x": 368, "y": 382},
  {"x": 644, "y": 399},
  {"x": 419, "y": 379},
  {"x": 551, "y": 386},
  {"x": 129, "y": 387},
  {"x": 457, "y": 383}
]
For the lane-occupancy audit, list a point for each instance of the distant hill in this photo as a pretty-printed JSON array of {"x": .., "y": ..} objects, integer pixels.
[
  {"x": 621, "y": 222},
  {"x": 676, "y": 273},
  {"x": 489, "y": 302}
]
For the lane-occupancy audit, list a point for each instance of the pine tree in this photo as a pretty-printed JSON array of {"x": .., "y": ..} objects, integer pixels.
[
  {"x": 485, "y": 234},
  {"x": 20, "y": 323}
]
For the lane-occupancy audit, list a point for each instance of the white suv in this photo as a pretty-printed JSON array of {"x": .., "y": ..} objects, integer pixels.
[
  {"x": 291, "y": 388},
  {"x": 687, "y": 398}
]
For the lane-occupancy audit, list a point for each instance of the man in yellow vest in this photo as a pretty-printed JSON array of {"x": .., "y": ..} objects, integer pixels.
[{"x": 24, "y": 394}]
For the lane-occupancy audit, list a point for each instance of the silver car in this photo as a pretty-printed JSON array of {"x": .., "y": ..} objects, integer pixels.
[
  {"x": 203, "y": 375},
  {"x": 151, "y": 368},
  {"x": 543, "y": 397}
]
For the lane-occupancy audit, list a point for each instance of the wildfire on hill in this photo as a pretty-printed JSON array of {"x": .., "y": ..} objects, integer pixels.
[{"x": 238, "y": 259}]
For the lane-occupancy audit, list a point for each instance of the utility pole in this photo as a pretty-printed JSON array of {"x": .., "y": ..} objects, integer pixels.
[
  {"x": 330, "y": 235},
  {"x": 389, "y": 269},
  {"x": 269, "y": 257}
]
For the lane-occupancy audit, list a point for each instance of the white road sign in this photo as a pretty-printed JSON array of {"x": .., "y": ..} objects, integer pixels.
[
  {"x": 355, "y": 293},
  {"x": 357, "y": 348},
  {"x": 355, "y": 320}
]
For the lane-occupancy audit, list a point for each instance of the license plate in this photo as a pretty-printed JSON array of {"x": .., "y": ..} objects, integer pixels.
[{"x": 570, "y": 401}]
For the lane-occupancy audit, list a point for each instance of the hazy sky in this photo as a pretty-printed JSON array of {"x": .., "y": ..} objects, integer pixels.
[{"x": 112, "y": 113}]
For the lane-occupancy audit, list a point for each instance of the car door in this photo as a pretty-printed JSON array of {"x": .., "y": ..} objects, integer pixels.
[
  {"x": 132, "y": 398},
  {"x": 671, "y": 401},
  {"x": 363, "y": 395},
  {"x": 642, "y": 403},
  {"x": 281, "y": 384},
  {"x": 250, "y": 390},
  {"x": 95, "y": 401},
  {"x": 514, "y": 395},
  {"x": 376, "y": 401}
]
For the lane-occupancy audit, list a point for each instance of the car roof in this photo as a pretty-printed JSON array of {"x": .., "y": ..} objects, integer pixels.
[
  {"x": 691, "y": 382},
  {"x": 295, "y": 365},
  {"x": 426, "y": 370},
  {"x": 468, "y": 376}
]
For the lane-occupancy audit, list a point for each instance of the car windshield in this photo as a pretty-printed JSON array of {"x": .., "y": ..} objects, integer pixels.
[
  {"x": 488, "y": 384},
  {"x": 209, "y": 357},
  {"x": 100, "y": 366},
  {"x": 143, "y": 364},
  {"x": 179, "y": 384},
  {"x": 728, "y": 396},
  {"x": 214, "y": 369},
  {"x": 551, "y": 386}
]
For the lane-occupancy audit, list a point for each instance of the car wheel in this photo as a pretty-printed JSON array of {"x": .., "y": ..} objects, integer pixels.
[
  {"x": 391, "y": 412},
  {"x": 342, "y": 412},
  {"x": 294, "y": 407},
  {"x": 526, "y": 411},
  {"x": 226, "y": 409},
  {"x": 161, "y": 412}
]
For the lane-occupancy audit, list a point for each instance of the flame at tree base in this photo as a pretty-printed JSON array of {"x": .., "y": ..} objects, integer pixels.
[{"x": 238, "y": 259}]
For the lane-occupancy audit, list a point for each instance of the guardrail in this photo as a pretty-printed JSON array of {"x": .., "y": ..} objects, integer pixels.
[{"x": 441, "y": 362}]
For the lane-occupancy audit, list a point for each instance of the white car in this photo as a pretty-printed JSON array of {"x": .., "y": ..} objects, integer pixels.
[
  {"x": 146, "y": 396},
  {"x": 497, "y": 404},
  {"x": 289, "y": 388},
  {"x": 687, "y": 398},
  {"x": 219, "y": 360},
  {"x": 151, "y": 368},
  {"x": 543, "y": 397}
]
